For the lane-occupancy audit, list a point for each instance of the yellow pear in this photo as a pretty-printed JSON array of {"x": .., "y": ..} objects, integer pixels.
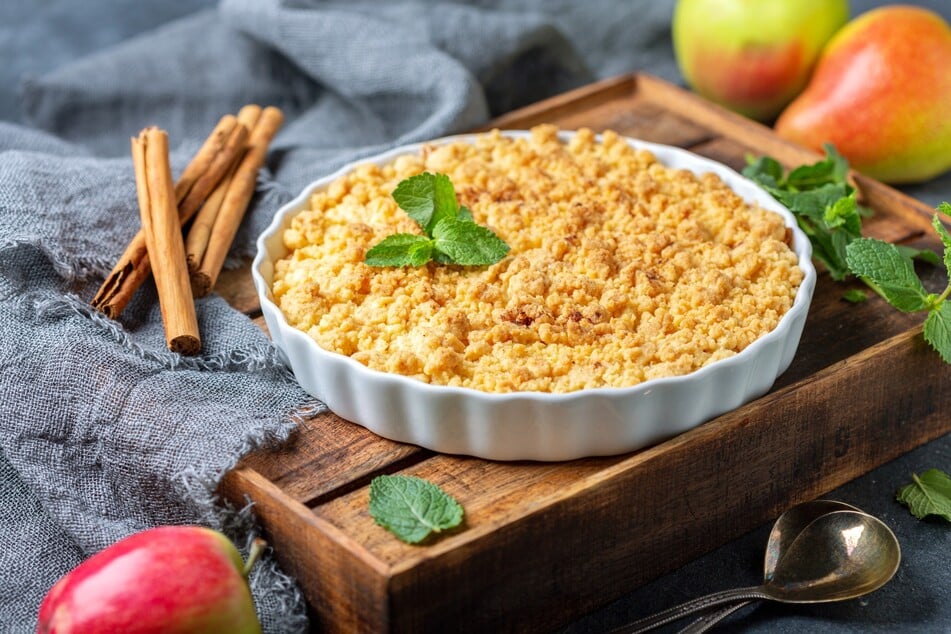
[{"x": 881, "y": 93}]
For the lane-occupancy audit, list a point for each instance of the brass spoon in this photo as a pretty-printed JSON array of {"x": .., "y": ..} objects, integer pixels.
[
  {"x": 786, "y": 529},
  {"x": 839, "y": 555}
]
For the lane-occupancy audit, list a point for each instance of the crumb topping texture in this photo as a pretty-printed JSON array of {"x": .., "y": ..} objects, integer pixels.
[{"x": 620, "y": 270}]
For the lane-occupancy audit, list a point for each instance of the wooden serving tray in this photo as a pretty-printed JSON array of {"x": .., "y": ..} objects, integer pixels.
[{"x": 544, "y": 543}]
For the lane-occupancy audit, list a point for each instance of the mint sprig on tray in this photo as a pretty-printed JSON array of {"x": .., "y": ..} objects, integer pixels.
[
  {"x": 825, "y": 206},
  {"x": 821, "y": 198},
  {"x": 826, "y": 209},
  {"x": 451, "y": 235}
]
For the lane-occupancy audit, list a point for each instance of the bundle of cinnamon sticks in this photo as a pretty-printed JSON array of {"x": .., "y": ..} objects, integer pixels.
[{"x": 214, "y": 189}]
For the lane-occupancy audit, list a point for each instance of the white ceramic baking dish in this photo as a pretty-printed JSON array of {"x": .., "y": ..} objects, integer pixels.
[{"x": 535, "y": 425}]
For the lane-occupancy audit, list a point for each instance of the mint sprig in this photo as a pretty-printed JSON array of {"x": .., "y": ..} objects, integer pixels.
[
  {"x": 822, "y": 200},
  {"x": 825, "y": 206},
  {"x": 411, "y": 508},
  {"x": 928, "y": 494},
  {"x": 452, "y": 237},
  {"x": 889, "y": 272},
  {"x": 826, "y": 209}
]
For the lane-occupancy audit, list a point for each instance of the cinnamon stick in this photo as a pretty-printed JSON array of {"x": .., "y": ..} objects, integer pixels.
[
  {"x": 214, "y": 144},
  {"x": 198, "y": 235},
  {"x": 200, "y": 232},
  {"x": 237, "y": 195},
  {"x": 222, "y": 149},
  {"x": 163, "y": 239}
]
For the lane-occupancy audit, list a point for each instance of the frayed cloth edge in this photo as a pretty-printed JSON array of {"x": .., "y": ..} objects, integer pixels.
[{"x": 239, "y": 524}]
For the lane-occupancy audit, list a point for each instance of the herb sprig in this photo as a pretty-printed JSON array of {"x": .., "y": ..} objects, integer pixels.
[
  {"x": 825, "y": 206},
  {"x": 821, "y": 198},
  {"x": 891, "y": 274},
  {"x": 452, "y": 236}
]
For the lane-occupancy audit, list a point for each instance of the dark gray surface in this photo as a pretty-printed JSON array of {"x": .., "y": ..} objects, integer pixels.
[{"x": 39, "y": 37}]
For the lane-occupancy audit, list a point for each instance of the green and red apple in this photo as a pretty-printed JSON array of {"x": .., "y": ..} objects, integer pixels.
[
  {"x": 881, "y": 93},
  {"x": 753, "y": 56},
  {"x": 171, "y": 580}
]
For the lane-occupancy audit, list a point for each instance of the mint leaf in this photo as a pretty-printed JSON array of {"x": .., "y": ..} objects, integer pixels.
[
  {"x": 764, "y": 170},
  {"x": 416, "y": 196},
  {"x": 854, "y": 296},
  {"x": 840, "y": 171},
  {"x": 943, "y": 234},
  {"x": 468, "y": 243},
  {"x": 814, "y": 202},
  {"x": 445, "y": 204},
  {"x": 822, "y": 200},
  {"x": 888, "y": 273},
  {"x": 400, "y": 249},
  {"x": 427, "y": 198},
  {"x": 937, "y": 330},
  {"x": 452, "y": 237},
  {"x": 843, "y": 213},
  {"x": 928, "y": 494},
  {"x": 810, "y": 176},
  {"x": 923, "y": 255},
  {"x": 411, "y": 508}
]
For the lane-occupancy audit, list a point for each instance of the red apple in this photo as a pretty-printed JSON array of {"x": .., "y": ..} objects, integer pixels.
[
  {"x": 171, "y": 579},
  {"x": 753, "y": 56}
]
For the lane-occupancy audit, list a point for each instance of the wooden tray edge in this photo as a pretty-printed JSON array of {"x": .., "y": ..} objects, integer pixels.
[{"x": 843, "y": 451}]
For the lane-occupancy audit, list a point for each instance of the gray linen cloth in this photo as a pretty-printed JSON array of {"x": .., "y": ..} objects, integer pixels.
[{"x": 103, "y": 432}]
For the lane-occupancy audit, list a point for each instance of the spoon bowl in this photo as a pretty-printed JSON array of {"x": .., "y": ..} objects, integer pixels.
[
  {"x": 791, "y": 523},
  {"x": 859, "y": 554},
  {"x": 786, "y": 529}
]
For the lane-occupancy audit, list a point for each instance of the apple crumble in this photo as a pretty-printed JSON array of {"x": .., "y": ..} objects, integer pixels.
[{"x": 620, "y": 270}]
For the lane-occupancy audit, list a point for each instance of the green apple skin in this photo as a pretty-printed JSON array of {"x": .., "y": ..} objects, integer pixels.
[
  {"x": 170, "y": 580},
  {"x": 753, "y": 56}
]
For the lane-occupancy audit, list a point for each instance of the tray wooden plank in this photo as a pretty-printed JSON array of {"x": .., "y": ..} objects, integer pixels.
[{"x": 543, "y": 543}]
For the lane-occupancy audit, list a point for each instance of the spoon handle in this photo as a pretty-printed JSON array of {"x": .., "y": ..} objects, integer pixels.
[
  {"x": 706, "y": 621},
  {"x": 689, "y": 607}
]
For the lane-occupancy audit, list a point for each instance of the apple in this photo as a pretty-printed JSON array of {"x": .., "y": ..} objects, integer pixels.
[
  {"x": 881, "y": 93},
  {"x": 753, "y": 56},
  {"x": 171, "y": 579}
]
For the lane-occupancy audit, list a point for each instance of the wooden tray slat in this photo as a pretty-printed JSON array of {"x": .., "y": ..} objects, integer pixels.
[
  {"x": 543, "y": 543},
  {"x": 329, "y": 454}
]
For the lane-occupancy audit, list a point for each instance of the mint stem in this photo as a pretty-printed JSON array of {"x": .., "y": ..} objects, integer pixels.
[{"x": 943, "y": 296}]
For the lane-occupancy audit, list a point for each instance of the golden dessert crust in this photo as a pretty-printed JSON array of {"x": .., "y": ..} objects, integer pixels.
[{"x": 620, "y": 270}]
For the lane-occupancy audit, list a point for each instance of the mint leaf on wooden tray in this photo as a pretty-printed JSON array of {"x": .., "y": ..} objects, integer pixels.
[
  {"x": 452, "y": 237},
  {"x": 855, "y": 296},
  {"x": 412, "y": 508},
  {"x": 928, "y": 494},
  {"x": 937, "y": 330}
]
